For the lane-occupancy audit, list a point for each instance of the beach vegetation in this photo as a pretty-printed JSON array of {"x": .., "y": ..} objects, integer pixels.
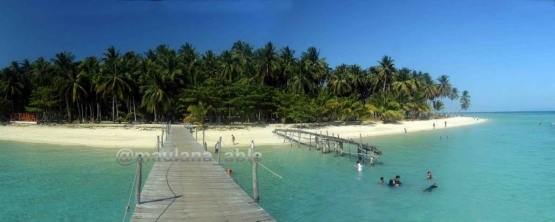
[{"x": 242, "y": 84}]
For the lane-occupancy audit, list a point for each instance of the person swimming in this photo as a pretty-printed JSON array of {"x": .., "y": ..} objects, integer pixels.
[
  {"x": 359, "y": 166},
  {"x": 398, "y": 180},
  {"x": 429, "y": 176},
  {"x": 431, "y": 188},
  {"x": 381, "y": 180},
  {"x": 392, "y": 183}
]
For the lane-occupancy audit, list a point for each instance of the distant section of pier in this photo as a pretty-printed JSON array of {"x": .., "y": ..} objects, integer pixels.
[
  {"x": 195, "y": 190},
  {"x": 326, "y": 143}
]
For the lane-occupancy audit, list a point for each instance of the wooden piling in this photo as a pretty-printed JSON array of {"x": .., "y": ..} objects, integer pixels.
[
  {"x": 139, "y": 172},
  {"x": 255, "y": 179},
  {"x": 158, "y": 147},
  {"x": 203, "y": 136},
  {"x": 219, "y": 148},
  {"x": 309, "y": 142},
  {"x": 162, "y": 141}
]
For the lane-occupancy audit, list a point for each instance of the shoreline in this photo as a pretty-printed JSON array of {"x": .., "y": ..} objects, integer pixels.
[
  {"x": 264, "y": 135},
  {"x": 141, "y": 136},
  {"x": 109, "y": 136}
]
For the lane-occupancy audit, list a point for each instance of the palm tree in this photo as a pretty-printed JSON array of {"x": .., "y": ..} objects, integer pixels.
[
  {"x": 438, "y": 106},
  {"x": 198, "y": 113},
  {"x": 268, "y": 64},
  {"x": 386, "y": 70},
  {"x": 465, "y": 100},
  {"x": 90, "y": 69},
  {"x": 315, "y": 67},
  {"x": 339, "y": 84},
  {"x": 113, "y": 81},
  {"x": 69, "y": 81},
  {"x": 444, "y": 87},
  {"x": 454, "y": 94},
  {"x": 286, "y": 65}
]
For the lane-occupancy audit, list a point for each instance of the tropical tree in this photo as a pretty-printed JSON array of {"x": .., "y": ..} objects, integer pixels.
[
  {"x": 198, "y": 113},
  {"x": 386, "y": 70},
  {"x": 113, "y": 81},
  {"x": 438, "y": 106},
  {"x": 465, "y": 100}
]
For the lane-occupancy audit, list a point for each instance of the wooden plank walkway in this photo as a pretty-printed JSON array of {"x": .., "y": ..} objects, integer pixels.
[
  {"x": 193, "y": 190},
  {"x": 301, "y": 134}
]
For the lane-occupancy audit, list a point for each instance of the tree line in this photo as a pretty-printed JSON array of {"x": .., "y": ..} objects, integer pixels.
[{"x": 241, "y": 84}]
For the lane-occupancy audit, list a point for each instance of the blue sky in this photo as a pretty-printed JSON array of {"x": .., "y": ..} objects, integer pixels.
[{"x": 502, "y": 52}]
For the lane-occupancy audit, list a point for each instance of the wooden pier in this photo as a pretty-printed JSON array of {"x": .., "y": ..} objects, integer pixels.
[
  {"x": 194, "y": 190},
  {"x": 365, "y": 152}
]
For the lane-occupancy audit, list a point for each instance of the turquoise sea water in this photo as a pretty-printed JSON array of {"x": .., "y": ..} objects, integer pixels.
[
  {"x": 501, "y": 170},
  {"x": 63, "y": 183}
]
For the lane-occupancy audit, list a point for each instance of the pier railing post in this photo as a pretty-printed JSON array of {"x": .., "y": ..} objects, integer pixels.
[
  {"x": 255, "y": 179},
  {"x": 162, "y": 140},
  {"x": 158, "y": 147},
  {"x": 219, "y": 148},
  {"x": 203, "y": 135},
  {"x": 309, "y": 142},
  {"x": 138, "y": 185}
]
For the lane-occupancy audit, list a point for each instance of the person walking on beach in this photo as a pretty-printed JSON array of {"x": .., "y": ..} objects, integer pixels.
[
  {"x": 252, "y": 145},
  {"x": 358, "y": 166},
  {"x": 405, "y": 130},
  {"x": 216, "y": 147},
  {"x": 233, "y": 139},
  {"x": 434, "y": 125},
  {"x": 445, "y": 123}
]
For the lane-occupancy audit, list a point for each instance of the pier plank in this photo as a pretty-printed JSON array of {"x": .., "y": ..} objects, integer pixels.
[{"x": 195, "y": 190}]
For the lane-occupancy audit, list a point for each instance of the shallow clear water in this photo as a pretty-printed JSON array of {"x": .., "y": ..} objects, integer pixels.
[
  {"x": 501, "y": 170},
  {"x": 63, "y": 183}
]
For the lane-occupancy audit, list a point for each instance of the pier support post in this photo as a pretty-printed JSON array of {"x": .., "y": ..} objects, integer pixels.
[
  {"x": 310, "y": 142},
  {"x": 255, "y": 179},
  {"x": 219, "y": 148},
  {"x": 299, "y": 141},
  {"x": 139, "y": 172}
]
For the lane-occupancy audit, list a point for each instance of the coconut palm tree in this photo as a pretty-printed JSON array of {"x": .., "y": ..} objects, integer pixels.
[
  {"x": 69, "y": 81},
  {"x": 198, "y": 113},
  {"x": 438, "y": 106},
  {"x": 386, "y": 70},
  {"x": 339, "y": 84},
  {"x": 113, "y": 81},
  {"x": 465, "y": 100},
  {"x": 268, "y": 63}
]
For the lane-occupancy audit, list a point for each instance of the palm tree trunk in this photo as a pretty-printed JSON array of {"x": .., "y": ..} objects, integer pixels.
[
  {"x": 114, "y": 108},
  {"x": 91, "y": 110},
  {"x": 155, "y": 119},
  {"x": 98, "y": 114},
  {"x": 134, "y": 113},
  {"x": 68, "y": 111}
]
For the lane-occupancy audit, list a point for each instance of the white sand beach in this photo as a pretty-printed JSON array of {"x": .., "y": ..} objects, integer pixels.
[
  {"x": 264, "y": 135},
  {"x": 102, "y": 136},
  {"x": 144, "y": 136}
]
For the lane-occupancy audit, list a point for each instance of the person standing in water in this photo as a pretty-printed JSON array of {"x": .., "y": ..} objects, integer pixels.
[{"x": 358, "y": 166}]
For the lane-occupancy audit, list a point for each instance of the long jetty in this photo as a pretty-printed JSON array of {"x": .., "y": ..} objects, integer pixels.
[
  {"x": 365, "y": 152},
  {"x": 194, "y": 190}
]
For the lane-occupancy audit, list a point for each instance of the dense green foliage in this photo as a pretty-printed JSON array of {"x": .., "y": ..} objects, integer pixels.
[{"x": 242, "y": 84}]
